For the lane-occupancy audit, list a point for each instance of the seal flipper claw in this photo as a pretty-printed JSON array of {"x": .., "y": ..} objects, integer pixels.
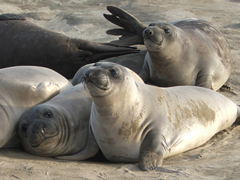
[
  {"x": 132, "y": 27},
  {"x": 125, "y": 20}
]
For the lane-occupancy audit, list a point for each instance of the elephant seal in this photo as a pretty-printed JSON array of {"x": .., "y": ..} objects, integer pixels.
[
  {"x": 183, "y": 52},
  {"x": 59, "y": 126},
  {"x": 135, "y": 122},
  {"x": 133, "y": 62},
  {"x": 24, "y": 43},
  {"x": 21, "y": 88}
]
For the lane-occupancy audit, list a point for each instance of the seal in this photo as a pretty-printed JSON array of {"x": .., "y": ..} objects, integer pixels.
[
  {"x": 21, "y": 88},
  {"x": 182, "y": 52},
  {"x": 135, "y": 122},
  {"x": 59, "y": 126},
  {"x": 24, "y": 43}
]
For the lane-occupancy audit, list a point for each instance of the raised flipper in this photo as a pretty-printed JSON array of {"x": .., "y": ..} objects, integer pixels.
[
  {"x": 10, "y": 16},
  {"x": 90, "y": 150},
  {"x": 132, "y": 28}
]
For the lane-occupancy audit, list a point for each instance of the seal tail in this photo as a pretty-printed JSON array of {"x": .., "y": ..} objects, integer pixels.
[{"x": 131, "y": 33}]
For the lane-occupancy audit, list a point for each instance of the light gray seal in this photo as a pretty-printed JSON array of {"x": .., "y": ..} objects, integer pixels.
[
  {"x": 24, "y": 43},
  {"x": 59, "y": 126},
  {"x": 183, "y": 52},
  {"x": 135, "y": 122},
  {"x": 21, "y": 88}
]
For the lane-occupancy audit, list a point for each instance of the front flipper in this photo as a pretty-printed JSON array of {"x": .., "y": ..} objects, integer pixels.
[
  {"x": 204, "y": 80},
  {"x": 10, "y": 16},
  {"x": 132, "y": 27},
  {"x": 40, "y": 93},
  {"x": 152, "y": 152},
  {"x": 90, "y": 150}
]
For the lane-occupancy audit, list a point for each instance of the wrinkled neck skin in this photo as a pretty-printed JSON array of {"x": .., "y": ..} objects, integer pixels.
[
  {"x": 73, "y": 108},
  {"x": 74, "y": 132},
  {"x": 111, "y": 106}
]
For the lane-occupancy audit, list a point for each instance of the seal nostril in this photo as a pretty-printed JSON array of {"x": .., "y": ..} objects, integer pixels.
[
  {"x": 148, "y": 32},
  {"x": 24, "y": 128}
]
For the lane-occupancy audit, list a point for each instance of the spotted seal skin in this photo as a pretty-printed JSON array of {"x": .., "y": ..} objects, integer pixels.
[
  {"x": 135, "y": 122},
  {"x": 59, "y": 126},
  {"x": 183, "y": 52},
  {"x": 24, "y": 43},
  {"x": 21, "y": 88}
]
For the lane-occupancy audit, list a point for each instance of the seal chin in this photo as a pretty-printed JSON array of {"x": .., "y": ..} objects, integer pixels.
[
  {"x": 98, "y": 89},
  {"x": 38, "y": 132},
  {"x": 152, "y": 45},
  {"x": 97, "y": 81},
  {"x": 153, "y": 40},
  {"x": 103, "y": 83}
]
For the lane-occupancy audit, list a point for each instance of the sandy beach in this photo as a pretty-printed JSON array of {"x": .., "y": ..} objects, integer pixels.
[{"x": 218, "y": 159}]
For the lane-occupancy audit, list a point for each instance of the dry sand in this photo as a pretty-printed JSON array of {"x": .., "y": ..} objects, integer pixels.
[{"x": 217, "y": 159}]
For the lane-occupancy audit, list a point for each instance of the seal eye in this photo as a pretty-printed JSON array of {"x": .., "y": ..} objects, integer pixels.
[
  {"x": 47, "y": 114},
  {"x": 113, "y": 72},
  {"x": 24, "y": 127},
  {"x": 152, "y": 24},
  {"x": 167, "y": 31}
]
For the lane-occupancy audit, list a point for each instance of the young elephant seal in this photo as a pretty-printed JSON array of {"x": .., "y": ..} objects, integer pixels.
[
  {"x": 21, "y": 88},
  {"x": 24, "y": 43},
  {"x": 184, "y": 52},
  {"x": 135, "y": 122},
  {"x": 59, "y": 126}
]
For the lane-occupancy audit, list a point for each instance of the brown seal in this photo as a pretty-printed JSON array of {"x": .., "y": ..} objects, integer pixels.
[{"x": 24, "y": 43}]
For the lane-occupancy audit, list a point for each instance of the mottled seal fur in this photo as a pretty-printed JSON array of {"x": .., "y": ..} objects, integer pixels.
[
  {"x": 183, "y": 52},
  {"x": 135, "y": 122}
]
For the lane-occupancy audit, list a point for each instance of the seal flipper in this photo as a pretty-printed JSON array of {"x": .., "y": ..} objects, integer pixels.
[
  {"x": 204, "y": 80},
  {"x": 133, "y": 28},
  {"x": 151, "y": 152},
  {"x": 40, "y": 93},
  {"x": 90, "y": 52},
  {"x": 10, "y": 16},
  {"x": 89, "y": 151}
]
